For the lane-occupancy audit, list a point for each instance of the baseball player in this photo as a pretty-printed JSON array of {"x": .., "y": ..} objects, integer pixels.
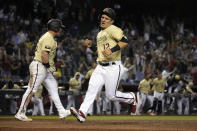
[
  {"x": 144, "y": 94},
  {"x": 183, "y": 99},
  {"x": 172, "y": 82},
  {"x": 37, "y": 102},
  {"x": 41, "y": 71},
  {"x": 74, "y": 86},
  {"x": 110, "y": 42},
  {"x": 158, "y": 87}
]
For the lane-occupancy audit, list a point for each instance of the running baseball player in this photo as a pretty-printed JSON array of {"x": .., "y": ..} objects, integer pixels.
[
  {"x": 41, "y": 71},
  {"x": 110, "y": 42}
]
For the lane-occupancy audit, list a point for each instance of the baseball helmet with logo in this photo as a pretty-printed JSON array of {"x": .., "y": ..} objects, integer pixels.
[
  {"x": 55, "y": 25},
  {"x": 109, "y": 12}
]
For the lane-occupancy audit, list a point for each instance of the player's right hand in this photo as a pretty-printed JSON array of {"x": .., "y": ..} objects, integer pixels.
[{"x": 88, "y": 43}]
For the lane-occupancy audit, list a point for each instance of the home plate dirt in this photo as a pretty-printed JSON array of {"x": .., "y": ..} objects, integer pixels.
[{"x": 98, "y": 125}]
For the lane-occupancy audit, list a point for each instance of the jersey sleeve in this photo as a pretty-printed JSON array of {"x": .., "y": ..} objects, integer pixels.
[
  {"x": 47, "y": 44},
  {"x": 116, "y": 33}
]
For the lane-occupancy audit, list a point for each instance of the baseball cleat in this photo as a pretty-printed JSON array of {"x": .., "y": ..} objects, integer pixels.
[
  {"x": 133, "y": 104},
  {"x": 153, "y": 113},
  {"x": 64, "y": 114},
  {"x": 22, "y": 117},
  {"x": 78, "y": 114}
]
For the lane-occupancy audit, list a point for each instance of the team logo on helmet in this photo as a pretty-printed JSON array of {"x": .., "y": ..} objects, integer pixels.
[{"x": 106, "y": 10}]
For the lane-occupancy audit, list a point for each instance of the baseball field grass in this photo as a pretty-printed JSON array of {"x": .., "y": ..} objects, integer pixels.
[{"x": 109, "y": 117}]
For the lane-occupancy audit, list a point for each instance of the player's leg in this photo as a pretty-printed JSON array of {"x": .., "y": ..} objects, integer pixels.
[
  {"x": 69, "y": 101},
  {"x": 95, "y": 84},
  {"x": 159, "y": 110},
  {"x": 104, "y": 107},
  {"x": 140, "y": 98},
  {"x": 51, "y": 106},
  {"x": 155, "y": 102},
  {"x": 35, "y": 109},
  {"x": 13, "y": 105},
  {"x": 51, "y": 85},
  {"x": 90, "y": 110},
  {"x": 98, "y": 107},
  {"x": 186, "y": 105},
  {"x": 150, "y": 99},
  {"x": 160, "y": 103},
  {"x": 117, "y": 107},
  {"x": 179, "y": 105},
  {"x": 112, "y": 78},
  {"x": 41, "y": 107},
  {"x": 37, "y": 75}
]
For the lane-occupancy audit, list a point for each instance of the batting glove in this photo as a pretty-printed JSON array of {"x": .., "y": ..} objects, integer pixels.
[{"x": 51, "y": 69}]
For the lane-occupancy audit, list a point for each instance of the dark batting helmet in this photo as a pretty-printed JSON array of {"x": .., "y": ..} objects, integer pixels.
[
  {"x": 55, "y": 25},
  {"x": 109, "y": 12}
]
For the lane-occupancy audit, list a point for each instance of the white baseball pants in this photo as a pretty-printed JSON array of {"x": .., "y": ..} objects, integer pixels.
[
  {"x": 38, "y": 76},
  {"x": 38, "y": 106},
  {"x": 142, "y": 97},
  {"x": 110, "y": 77},
  {"x": 183, "y": 101}
]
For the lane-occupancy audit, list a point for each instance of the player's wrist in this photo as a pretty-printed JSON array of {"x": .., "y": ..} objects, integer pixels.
[
  {"x": 46, "y": 65},
  {"x": 115, "y": 48}
]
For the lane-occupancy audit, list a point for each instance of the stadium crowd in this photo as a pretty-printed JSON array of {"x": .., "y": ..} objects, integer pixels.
[{"x": 156, "y": 43}]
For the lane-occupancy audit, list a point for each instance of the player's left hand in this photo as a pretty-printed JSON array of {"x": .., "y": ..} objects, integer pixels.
[
  {"x": 51, "y": 69},
  {"x": 107, "y": 52}
]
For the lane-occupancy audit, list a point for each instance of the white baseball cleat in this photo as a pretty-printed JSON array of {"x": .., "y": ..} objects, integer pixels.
[
  {"x": 22, "y": 117},
  {"x": 134, "y": 104},
  {"x": 78, "y": 114},
  {"x": 64, "y": 114}
]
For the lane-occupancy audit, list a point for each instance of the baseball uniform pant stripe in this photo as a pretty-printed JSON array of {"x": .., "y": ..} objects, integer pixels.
[
  {"x": 117, "y": 82},
  {"x": 117, "y": 85},
  {"x": 31, "y": 88}
]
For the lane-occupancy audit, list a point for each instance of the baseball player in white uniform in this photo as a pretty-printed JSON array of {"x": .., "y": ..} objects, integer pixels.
[
  {"x": 110, "y": 41},
  {"x": 184, "y": 93},
  {"x": 41, "y": 71},
  {"x": 37, "y": 102},
  {"x": 144, "y": 94}
]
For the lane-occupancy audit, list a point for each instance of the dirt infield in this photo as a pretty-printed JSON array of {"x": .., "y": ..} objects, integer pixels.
[{"x": 98, "y": 125}]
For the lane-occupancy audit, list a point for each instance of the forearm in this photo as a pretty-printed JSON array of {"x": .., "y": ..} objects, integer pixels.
[{"x": 120, "y": 45}]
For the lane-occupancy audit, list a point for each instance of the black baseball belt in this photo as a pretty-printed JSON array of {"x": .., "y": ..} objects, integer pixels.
[{"x": 106, "y": 63}]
